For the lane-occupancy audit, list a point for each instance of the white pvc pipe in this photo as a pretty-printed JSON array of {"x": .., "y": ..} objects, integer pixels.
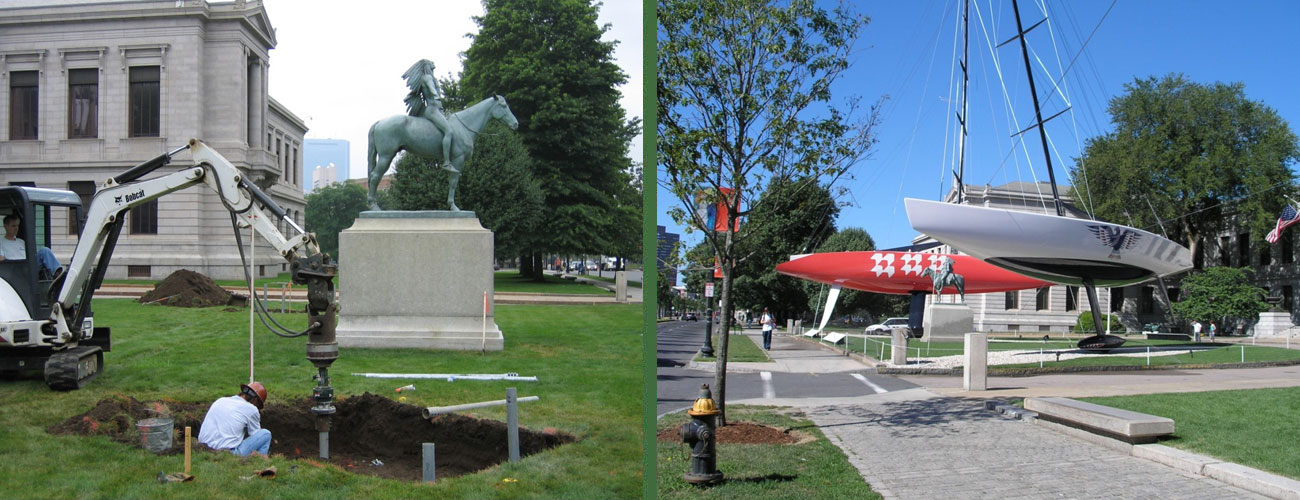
[
  {"x": 450, "y": 377},
  {"x": 434, "y": 410}
]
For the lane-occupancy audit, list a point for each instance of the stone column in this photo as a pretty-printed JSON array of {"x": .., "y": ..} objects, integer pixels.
[
  {"x": 620, "y": 286},
  {"x": 975, "y": 376},
  {"x": 898, "y": 345}
]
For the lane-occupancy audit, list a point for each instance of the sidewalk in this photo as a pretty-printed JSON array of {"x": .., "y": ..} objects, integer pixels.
[
  {"x": 917, "y": 442},
  {"x": 788, "y": 356}
]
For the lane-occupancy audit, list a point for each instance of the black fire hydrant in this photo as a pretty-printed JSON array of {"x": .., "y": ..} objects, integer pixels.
[{"x": 700, "y": 434}]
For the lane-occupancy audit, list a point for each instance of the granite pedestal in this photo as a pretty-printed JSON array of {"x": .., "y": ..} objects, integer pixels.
[
  {"x": 1273, "y": 324},
  {"x": 947, "y": 322},
  {"x": 417, "y": 280}
]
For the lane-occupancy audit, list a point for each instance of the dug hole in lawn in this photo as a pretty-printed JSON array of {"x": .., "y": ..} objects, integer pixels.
[{"x": 365, "y": 429}]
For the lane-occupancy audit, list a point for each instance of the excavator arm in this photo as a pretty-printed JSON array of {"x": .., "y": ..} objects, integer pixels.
[{"x": 246, "y": 203}]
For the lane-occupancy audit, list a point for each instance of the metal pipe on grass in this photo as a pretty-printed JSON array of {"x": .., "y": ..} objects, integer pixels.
[
  {"x": 435, "y": 410},
  {"x": 512, "y": 423}
]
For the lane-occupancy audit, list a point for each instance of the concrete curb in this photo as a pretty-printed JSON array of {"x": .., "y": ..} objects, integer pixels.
[{"x": 1246, "y": 478}]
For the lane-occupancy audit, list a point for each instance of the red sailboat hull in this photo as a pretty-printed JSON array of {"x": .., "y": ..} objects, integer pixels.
[{"x": 900, "y": 272}]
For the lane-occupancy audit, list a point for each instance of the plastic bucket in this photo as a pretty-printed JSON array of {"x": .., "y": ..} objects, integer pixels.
[{"x": 155, "y": 434}]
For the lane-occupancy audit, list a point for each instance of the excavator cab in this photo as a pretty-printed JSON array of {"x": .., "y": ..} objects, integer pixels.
[{"x": 31, "y": 270}]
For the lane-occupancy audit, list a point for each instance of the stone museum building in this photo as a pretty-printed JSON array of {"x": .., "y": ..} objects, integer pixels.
[
  {"x": 91, "y": 89},
  {"x": 1056, "y": 308}
]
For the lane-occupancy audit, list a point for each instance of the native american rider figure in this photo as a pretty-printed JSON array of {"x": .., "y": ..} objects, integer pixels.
[{"x": 425, "y": 101}]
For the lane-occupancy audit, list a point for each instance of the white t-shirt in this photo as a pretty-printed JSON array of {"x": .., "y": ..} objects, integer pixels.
[
  {"x": 767, "y": 322},
  {"x": 228, "y": 421},
  {"x": 1196, "y": 327},
  {"x": 13, "y": 249}
]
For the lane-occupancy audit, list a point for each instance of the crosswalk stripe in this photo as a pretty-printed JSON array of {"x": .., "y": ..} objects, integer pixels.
[
  {"x": 874, "y": 387},
  {"x": 768, "y": 391}
]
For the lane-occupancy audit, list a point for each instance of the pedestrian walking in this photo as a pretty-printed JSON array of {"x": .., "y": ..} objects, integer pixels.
[
  {"x": 1196, "y": 330},
  {"x": 768, "y": 325},
  {"x": 1214, "y": 328}
]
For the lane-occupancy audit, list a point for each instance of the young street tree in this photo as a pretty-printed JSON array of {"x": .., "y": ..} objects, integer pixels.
[
  {"x": 744, "y": 94},
  {"x": 547, "y": 58},
  {"x": 1194, "y": 155}
]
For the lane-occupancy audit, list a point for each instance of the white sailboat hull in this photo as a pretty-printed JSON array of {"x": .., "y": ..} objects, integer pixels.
[{"x": 1051, "y": 248}]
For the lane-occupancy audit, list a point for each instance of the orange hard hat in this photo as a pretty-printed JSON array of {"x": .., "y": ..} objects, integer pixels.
[{"x": 254, "y": 390}]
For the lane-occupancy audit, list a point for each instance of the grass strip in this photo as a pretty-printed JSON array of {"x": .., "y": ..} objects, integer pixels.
[
  {"x": 1255, "y": 428},
  {"x": 813, "y": 469},
  {"x": 742, "y": 348},
  {"x": 202, "y": 354}
]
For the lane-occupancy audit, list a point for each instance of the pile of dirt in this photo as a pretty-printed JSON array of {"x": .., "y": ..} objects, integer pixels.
[
  {"x": 367, "y": 430},
  {"x": 740, "y": 433},
  {"x": 185, "y": 288},
  {"x": 115, "y": 417}
]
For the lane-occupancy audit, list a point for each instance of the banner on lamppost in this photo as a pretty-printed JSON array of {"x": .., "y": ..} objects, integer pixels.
[{"x": 714, "y": 215}]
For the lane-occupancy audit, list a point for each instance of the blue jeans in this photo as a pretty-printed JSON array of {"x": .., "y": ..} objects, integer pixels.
[
  {"x": 767, "y": 339},
  {"x": 260, "y": 442}
]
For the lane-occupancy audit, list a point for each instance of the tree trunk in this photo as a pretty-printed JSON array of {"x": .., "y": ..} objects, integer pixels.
[
  {"x": 525, "y": 265},
  {"x": 537, "y": 266},
  {"x": 724, "y": 332}
]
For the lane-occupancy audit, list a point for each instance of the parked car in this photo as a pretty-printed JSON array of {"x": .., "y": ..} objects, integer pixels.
[
  {"x": 883, "y": 328},
  {"x": 690, "y": 317}
]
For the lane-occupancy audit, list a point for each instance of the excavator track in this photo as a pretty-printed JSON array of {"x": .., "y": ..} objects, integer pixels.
[{"x": 71, "y": 369}]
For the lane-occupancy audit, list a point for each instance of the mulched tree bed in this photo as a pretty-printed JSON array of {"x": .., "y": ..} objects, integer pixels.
[
  {"x": 365, "y": 428},
  {"x": 740, "y": 433}
]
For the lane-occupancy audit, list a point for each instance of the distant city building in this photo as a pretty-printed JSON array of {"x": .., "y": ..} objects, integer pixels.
[
  {"x": 667, "y": 244},
  {"x": 91, "y": 89},
  {"x": 322, "y": 152},
  {"x": 324, "y": 176}
]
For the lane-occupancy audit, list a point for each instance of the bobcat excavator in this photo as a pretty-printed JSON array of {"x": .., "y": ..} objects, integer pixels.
[{"x": 45, "y": 315}]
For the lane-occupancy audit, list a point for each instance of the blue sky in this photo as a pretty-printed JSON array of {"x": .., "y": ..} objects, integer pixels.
[{"x": 906, "y": 53}]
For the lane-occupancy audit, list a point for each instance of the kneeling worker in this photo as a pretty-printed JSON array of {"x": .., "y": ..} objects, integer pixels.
[{"x": 232, "y": 418}]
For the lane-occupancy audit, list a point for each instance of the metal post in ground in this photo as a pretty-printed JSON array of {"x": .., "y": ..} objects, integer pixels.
[
  {"x": 429, "y": 471},
  {"x": 512, "y": 423}
]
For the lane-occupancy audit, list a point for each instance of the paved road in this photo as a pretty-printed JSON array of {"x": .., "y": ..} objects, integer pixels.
[{"x": 796, "y": 372}]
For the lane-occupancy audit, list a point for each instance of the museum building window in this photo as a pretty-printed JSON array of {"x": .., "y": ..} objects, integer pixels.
[
  {"x": 1013, "y": 300},
  {"x": 86, "y": 191},
  {"x": 83, "y": 103},
  {"x": 23, "y": 99},
  {"x": 145, "y": 115},
  {"x": 144, "y": 218},
  {"x": 1041, "y": 298}
]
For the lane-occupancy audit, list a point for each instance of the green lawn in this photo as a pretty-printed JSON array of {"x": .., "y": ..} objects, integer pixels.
[
  {"x": 740, "y": 349},
  {"x": 1225, "y": 354},
  {"x": 202, "y": 354},
  {"x": 511, "y": 281},
  {"x": 814, "y": 469},
  {"x": 1255, "y": 428}
]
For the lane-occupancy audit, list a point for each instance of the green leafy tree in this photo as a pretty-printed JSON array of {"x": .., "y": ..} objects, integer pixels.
[
  {"x": 496, "y": 184},
  {"x": 847, "y": 240},
  {"x": 330, "y": 210},
  {"x": 796, "y": 218},
  {"x": 1220, "y": 292},
  {"x": 1192, "y": 154},
  {"x": 547, "y": 58},
  {"x": 744, "y": 100}
]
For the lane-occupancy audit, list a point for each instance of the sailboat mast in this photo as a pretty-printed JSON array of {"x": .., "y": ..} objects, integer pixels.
[
  {"x": 1038, "y": 113},
  {"x": 965, "y": 105}
]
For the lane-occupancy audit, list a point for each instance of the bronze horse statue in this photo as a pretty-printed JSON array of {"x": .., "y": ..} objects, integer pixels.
[
  {"x": 419, "y": 136},
  {"x": 943, "y": 280}
]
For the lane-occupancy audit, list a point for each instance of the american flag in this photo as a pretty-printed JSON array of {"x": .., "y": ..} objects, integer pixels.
[{"x": 1289, "y": 216}]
